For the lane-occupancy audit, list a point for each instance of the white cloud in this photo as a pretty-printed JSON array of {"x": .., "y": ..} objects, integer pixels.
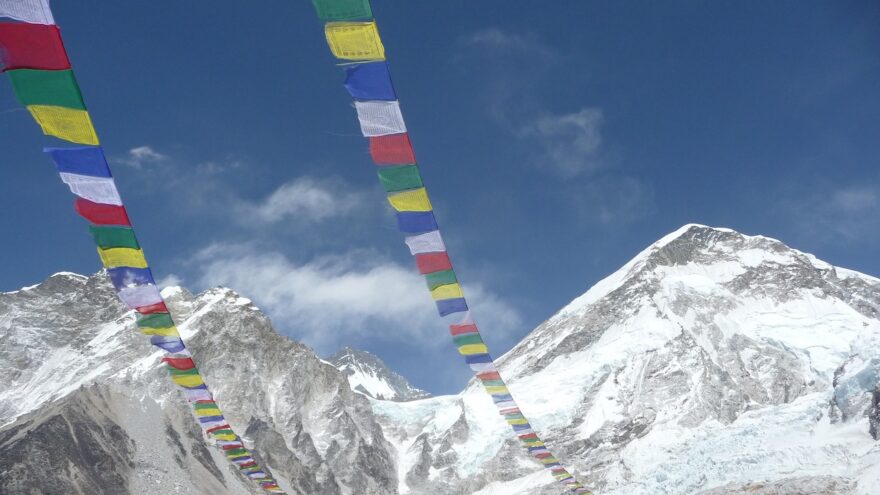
[
  {"x": 570, "y": 142},
  {"x": 141, "y": 155},
  {"x": 831, "y": 211},
  {"x": 336, "y": 300},
  {"x": 304, "y": 200},
  {"x": 494, "y": 39},
  {"x": 170, "y": 280}
]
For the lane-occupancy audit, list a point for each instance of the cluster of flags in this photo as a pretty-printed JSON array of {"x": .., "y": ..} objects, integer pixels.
[
  {"x": 353, "y": 37},
  {"x": 33, "y": 54}
]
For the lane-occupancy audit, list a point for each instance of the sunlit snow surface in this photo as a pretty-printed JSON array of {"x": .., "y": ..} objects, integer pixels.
[{"x": 705, "y": 300}]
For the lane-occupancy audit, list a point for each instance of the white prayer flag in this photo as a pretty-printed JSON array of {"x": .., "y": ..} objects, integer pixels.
[
  {"x": 193, "y": 395},
  {"x": 140, "y": 296},
  {"x": 33, "y": 11},
  {"x": 429, "y": 242},
  {"x": 95, "y": 189},
  {"x": 380, "y": 118}
]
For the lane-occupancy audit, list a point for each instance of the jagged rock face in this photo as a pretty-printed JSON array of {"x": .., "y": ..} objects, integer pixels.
[
  {"x": 300, "y": 416},
  {"x": 370, "y": 376},
  {"x": 712, "y": 359}
]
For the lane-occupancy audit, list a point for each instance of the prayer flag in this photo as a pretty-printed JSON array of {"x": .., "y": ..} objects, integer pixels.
[
  {"x": 370, "y": 81},
  {"x": 83, "y": 160},
  {"x": 102, "y": 214},
  {"x": 449, "y": 291},
  {"x": 449, "y": 306},
  {"x": 416, "y": 222},
  {"x": 354, "y": 40},
  {"x": 400, "y": 178},
  {"x": 114, "y": 257},
  {"x": 413, "y": 200},
  {"x": 473, "y": 338},
  {"x": 436, "y": 279},
  {"x": 380, "y": 118},
  {"x": 140, "y": 295},
  {"x": 96, "y": 189},
  {"x": 341, "y": 10},
  {"x": 188, "y": 380},
  {"x": 164, "y": 332},
  {"x": 462, "y": 329},
  {"x": 155, "y": 320},
  {"x": 69, "y": 124},
  {"x": 168, "y": 344},
  {"x": 33, "y": 11},
  {"x": 111, "y": 237},
  {"x": 47, "y": 87},
  {"x": 432, "y": 262},
  {"x": 155, "y": 308},
  {"x": 428, "y": 242},
  {"x": 31, "y": 46},
  {"x": 471, "y": 349},
  {"x": 393, "y": 149},
  {"x": 181, "y": 364}
]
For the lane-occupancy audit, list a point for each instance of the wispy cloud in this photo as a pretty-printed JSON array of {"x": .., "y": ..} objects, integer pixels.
[
  {"x": 338, "y": 299},
  {"x": 611, "y": 200},
  {"x": 828, "y": 212},
  {"x": 139, "y": 156},
  {"x": 304, "y": 200},
  {"x": 570, "y": 142},
  {"x": 496, "y": 40}
]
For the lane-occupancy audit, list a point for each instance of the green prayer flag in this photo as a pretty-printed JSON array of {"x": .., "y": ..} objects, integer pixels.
[
  {"x": 155, "y": 320},
  {"x": 467, "y": 339},
  {"x": 203, "y": 405},
  {"x": 437, "y": 279},
  {"x": 493, "y": 383},
  {"x": 343, "y": 10},
  {"x": 46, "y": 87},
  {"x": 400, "y": 178},
  {"x": 235, "y": 452},
  {"x": 114, "y": 237},
  {"x": 177, "y": 372}
]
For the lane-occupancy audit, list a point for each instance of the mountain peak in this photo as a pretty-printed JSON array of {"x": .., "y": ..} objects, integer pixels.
[{"x": 370, "y": 376}]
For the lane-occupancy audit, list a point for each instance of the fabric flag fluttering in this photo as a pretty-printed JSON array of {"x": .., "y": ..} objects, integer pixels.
[
  {"x": 32, "y": 54},
  {"x": 353, "y": 36}
]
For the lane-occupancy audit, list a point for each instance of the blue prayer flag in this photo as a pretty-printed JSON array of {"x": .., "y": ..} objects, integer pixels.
[
  {"x": 83, "y": 160},
  {"x": 478, "y": 358},
  {"x": 369, "y": 81},
  {"x": 169, "y": 344},
  {"x": 208, "y": 419},
  {"x": 449, "y": 306},
  {"x": 416, "y": 222}
]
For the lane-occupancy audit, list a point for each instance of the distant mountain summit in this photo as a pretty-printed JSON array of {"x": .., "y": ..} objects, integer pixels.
[
  {"x": 370, "y": 376},
  {"x": 713, "y": 363}
]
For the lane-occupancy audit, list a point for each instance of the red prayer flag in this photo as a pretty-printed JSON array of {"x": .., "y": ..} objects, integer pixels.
[
  {"x": 102, "y": 214},
  {"x": 182, "y": 364},
  {"x": 233, "y": 446},
  {"x": 394, "y": 149},
  {"x": 543, "y": 455},
  {"x": 433, "y": 262},
  {"x": 221, "y": 427},
  {"x": 460, "y": 329},
  {"x": 489, "y": 375},
  {"x": 247, "y": 465},
  {"x": 31, "y": 46},
  {"x": 153, "y": 308},
  {"x": 528, "y": 436}
]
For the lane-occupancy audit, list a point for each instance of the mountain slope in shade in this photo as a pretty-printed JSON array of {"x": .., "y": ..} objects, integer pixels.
[
  {"x": 712, "y": 362},
  {"x": 72, "y": 356},
  {"x": 370, "y": 376}
]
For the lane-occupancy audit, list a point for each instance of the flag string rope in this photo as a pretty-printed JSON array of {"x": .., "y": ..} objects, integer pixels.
[
  {"x": 353, "y": 36},
  {"x": 32, "y": 53}
]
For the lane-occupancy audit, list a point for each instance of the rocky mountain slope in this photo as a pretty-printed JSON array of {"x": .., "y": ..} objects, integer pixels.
[
  {"x": 712, "y": 363},
  {"x": 370, "y": 376}
]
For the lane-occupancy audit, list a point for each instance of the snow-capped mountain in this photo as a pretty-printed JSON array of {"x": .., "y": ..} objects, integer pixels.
[
  {"x": 713, "y": 363},
  {"x": 370, "y": 376}
]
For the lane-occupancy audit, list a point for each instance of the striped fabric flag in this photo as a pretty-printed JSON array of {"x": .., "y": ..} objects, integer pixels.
[
  {"x": 54, "y": 100},
  {"x": 31, "y": 46}
]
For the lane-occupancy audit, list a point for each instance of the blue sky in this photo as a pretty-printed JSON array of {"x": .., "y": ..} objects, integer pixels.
[{"x": 556, "y": 143}]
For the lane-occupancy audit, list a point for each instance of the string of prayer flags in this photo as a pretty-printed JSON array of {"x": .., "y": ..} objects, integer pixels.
[
  {"x": 381, "y": 121},
  {"x": 33, "y": 55},
  {"x": 31, "y": 11},
  {"x": 31, "y": 46}
]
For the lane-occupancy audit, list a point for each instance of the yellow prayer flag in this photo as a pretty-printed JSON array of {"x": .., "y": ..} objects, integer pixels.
[
  {"x": 229, "y": 437},
  {"x": 354, "y": 40},
  {"x": 165, "y": 332},
  {"x": 549, "y": 460},
  {"x": 188, "y": 380},
  {"x": 449, "y": 291},
  {"x": 208, "y": 412},
  {"x": 70, "y": 124},
  {"x": 413, "y": 200},
  {"x": 114, "y": 257},
  {"x": 520, "y": 421},
  {"x": 470, "y": 349}
]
